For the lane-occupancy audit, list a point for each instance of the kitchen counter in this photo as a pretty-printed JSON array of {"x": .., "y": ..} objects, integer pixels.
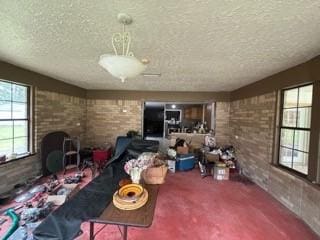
[
  {"x": 189, "y": 134},
  {"x": 195, "y": 139}
]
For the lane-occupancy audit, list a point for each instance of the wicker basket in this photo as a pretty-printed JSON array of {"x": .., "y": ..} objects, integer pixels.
[{"x": 155, "y": 175}]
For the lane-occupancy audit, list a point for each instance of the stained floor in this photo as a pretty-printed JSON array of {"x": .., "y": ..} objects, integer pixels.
[{"x": 191, "y": 207}]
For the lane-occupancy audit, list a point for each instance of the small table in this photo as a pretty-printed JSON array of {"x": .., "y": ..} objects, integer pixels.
[{"x": 141, "y": 217}]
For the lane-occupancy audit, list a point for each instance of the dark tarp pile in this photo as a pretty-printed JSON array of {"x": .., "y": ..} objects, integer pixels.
[{"x": 64, "y": 223}]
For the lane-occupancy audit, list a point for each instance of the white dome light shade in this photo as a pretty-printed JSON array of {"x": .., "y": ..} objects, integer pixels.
[{"x": 122, "y": 67}]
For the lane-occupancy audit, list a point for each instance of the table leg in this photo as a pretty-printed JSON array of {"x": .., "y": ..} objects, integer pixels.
[
  {"x": 125, "y": 232},
  {"x": 91, "y": 230}
]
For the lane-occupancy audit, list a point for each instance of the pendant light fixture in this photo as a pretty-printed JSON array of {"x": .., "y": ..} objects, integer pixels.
[{"x": 122, "y": 64}]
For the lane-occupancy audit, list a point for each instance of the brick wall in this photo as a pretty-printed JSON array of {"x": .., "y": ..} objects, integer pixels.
[
  {"x": 222, "y": 123},
  {"x": 100, "y": 121},
  {"x": 251, "y": 120},
  {"x": 18, "y": 171},
  {"x": 53, "y": 112},
  {"x": 59, "y": 112},
  {"x": 252, "y": 134},
  {"x": 107, "y": 119}
]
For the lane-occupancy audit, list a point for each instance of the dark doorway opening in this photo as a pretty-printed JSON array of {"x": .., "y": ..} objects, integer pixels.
[{"x": 153, "y": 125}]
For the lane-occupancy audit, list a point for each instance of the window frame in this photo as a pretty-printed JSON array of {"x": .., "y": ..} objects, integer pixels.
[
  {"x": 27, "y": 119},
  {"x": 281, "y": 110}
]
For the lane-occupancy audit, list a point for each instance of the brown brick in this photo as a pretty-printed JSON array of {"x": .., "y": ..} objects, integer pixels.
[
  {"x": 106, "y": 120},
  {"x": 252, "y": 120}
]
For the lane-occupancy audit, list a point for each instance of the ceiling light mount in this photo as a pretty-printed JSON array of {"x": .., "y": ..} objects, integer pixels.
[
  {"x": 124, "y": 18},
  {"x": 122, "y": 64}
]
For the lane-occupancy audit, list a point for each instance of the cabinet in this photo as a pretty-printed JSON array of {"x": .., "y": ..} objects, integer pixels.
[{"x": 194, "y": 113}]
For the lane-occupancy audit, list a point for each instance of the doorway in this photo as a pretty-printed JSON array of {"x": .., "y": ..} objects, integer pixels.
[{"x": 153, "y": 120}]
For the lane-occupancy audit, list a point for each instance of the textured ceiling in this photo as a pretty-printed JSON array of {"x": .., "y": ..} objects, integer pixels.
[{"x": 214, "y": 45}]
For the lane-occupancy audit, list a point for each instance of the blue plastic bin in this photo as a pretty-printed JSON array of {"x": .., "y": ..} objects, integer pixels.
[{"x": 185, "y": 162}]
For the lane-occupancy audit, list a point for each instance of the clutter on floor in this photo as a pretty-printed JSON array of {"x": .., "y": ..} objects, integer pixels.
[
  {"x": 31, "y": 203},
  {"x": 61, "y": 151},
  {"x": 63, "y": 193},
  {"x": 211, "y": 159},
  {"x": 101, "y": 156},
  {"x": 64, "y": 222},
  {"x": 220, "y": 172},
  {"x": 95, "y": 158},
  {"x": 14, "y": 225},
  {"x": 185, "y": 162},
  {"x": 24, "y": 232},
  {"x": 27, "y": 205}
]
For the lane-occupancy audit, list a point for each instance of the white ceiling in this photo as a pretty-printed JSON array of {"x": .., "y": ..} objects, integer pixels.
[{"x": 213, "y": 45}]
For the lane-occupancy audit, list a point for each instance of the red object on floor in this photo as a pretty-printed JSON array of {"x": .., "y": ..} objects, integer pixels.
[
  {"x": 195, "y": 208},
  {"x": 100, "y": 157}
]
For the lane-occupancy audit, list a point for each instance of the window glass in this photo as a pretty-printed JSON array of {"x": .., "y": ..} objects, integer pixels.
[
  {"x": 19, "y": 93},
  {"x": 301, "y": 140},
  {"x": 290, "y": 98},
  {"x": 304, "y": 117},
  {"x": 6, "y": 146},
  {"x": 289, "y": 117},
  {"x": 5, "y": 90},
  {"x": 20, "y": 128},
  {"x": 6, "y": 130},
  {"x": 295, "y": 128},
  {"x": 287, "y": 138},
  {"x": 285, "y": 157},
  {"x": 5, "y": 110},
  {"x": 20, "y": 145},
  {"x": 305, "y": 96},
  {"x": 14, "y": 119},
  {"x": 300, "y": 162},
  {"x": 19, "y": 110}
]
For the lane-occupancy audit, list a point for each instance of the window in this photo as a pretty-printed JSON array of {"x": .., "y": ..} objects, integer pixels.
[
  {"x": 14, "y": 119},
  {"x": 295, "y": 128}
]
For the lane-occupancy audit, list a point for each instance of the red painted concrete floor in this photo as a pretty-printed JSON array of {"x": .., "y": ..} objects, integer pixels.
[{"x": 189, "y": 207}]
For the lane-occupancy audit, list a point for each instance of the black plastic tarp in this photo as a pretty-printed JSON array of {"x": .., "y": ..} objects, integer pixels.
[{"x": 64, "y": 223}]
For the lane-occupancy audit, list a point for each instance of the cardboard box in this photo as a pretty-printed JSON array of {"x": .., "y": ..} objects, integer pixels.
[
  {"x": 194, "y": 149},
  {"x": 60, "y": 199},
  {"x": 221, "y": 173},
  {"x": 182, "y": 150},
  {"x": 212, "y": 157}
]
